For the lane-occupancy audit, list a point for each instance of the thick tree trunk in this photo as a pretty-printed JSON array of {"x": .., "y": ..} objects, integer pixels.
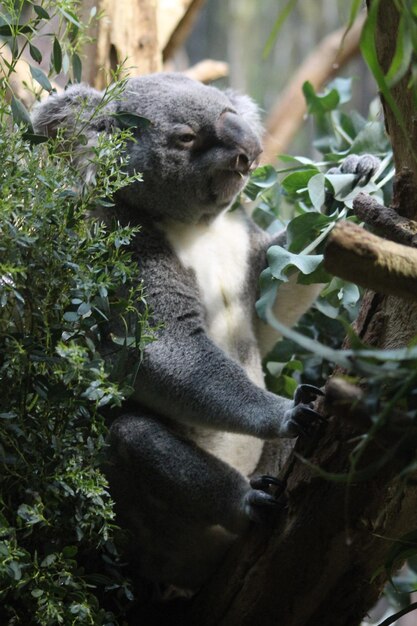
[
  {"x": 128, "y": 32},
  {"x": 317, "y": 565}
]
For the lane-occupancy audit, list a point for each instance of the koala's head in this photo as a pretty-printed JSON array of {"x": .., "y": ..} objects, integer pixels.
[{"x": 195, "y": 156}]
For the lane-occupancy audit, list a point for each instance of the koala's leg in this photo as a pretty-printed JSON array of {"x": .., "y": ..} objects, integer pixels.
[{"x": 182, "y": 506}]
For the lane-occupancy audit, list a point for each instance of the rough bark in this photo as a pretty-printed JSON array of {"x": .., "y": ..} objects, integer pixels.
[
  {"x": 324, "y": 62},
  {"x": 385, "y": 220},
  {"x": 354, "y": 254},
  {"x": 175, "y": 22},
  {"x": 317, "y": 564},
  {"x": 115, "y": 40}
]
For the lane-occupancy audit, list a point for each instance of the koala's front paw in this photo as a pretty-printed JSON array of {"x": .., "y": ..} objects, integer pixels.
[
  {"x": 301, "y": 419},
  {"x": 363, "y": 166}
]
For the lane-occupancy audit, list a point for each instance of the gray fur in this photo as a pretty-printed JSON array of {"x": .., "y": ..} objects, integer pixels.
[{"x": 183, "y": 505}]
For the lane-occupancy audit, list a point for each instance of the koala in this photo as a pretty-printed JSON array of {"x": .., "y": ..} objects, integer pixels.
[{"x": 181, "y": 460}]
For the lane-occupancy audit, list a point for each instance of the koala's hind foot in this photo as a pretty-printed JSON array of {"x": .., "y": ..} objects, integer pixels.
[
  {"x": 182, "y": 505},
  {"x": 260, "y": 504}
]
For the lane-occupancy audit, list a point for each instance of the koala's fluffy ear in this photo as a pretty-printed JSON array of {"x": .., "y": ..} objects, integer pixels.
[
  {"x": 75, "y": 113},
  {"x": 70, "y": 110},
  {"x": 248, "y": 109}
]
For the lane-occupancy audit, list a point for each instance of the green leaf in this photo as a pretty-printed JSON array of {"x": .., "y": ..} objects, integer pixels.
[
  {"x": 48, "y": 560},
  {"x": 317, "y": 191},
  {"x": 280, "y": 259},
  {"x": 277, "y": 27},
  {"x": 76, "y": 67},
  {"x": 319, "y": 104},
  {"x": 35, "y": 53},
  {"x": 304, "y": 228},
  {"x": 10, "y": 30},
  {"x": 343, "y": 86},
  {"x": 268, "y": 286},
  {"x": 14, "y": 569},
  {"x": 21, "y": 114},
  {"x": 297, "y": 181},
  {"x": 131, "y": 120},
  {"x": 319, "y": 275},
  {"x": 355, "y": 7},
  {"x": 35, "y": 139},
  {"x": 40, "y": 12},
  {"x": 29, "y": 514},
  {"x": 262, "y": 178},
  {"x": 403, "y": 52},
  {"x": 369, "y": 52},
  {"x": 70, "y": 17},
  {"x": 57, "y": 56},
  {"x": 341, "y": 183},
  {"x": 40, "y": 78},
  {"x": 10, "y": 415},
  {"x": 69, "y": 552}
]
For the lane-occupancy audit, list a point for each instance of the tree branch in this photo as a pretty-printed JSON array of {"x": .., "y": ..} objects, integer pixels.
[
  {"x": 208, "y": 70},
  {"x": 347, "y": 401},
  {"x": 182, "y": 27},
  {"x": 386, "y": 220},
  {"x": 324, "y": 62},
  {"x": 356, "y": 255}
]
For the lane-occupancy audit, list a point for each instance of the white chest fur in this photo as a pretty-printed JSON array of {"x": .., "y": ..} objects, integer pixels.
[{"x": 218, "y": 255}]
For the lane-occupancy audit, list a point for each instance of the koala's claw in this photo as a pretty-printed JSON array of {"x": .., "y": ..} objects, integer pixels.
[
  {"x": 264, "y": 482},
  {"x": 303, "y": 420},
  {"x": 259, "y": 505},
  {"x": 306, "y": 393}
]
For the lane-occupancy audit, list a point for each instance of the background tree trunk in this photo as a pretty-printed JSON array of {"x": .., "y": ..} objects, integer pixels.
[
  {"x": 128, "y": 30},
  {"x": 318, "y": 563}
]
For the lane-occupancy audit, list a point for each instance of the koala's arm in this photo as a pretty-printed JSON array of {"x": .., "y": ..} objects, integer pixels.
[{"x": 185, "y": 376}]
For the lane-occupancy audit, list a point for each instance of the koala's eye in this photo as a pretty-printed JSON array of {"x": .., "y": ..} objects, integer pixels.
[{"x": 186, "y": 139}]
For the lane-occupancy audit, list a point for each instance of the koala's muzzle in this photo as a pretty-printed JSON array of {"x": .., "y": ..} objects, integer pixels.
[{"x": 243, "y": 144}]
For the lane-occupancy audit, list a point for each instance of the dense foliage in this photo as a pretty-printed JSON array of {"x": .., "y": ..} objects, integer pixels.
[{"x": 63, "y": 277}]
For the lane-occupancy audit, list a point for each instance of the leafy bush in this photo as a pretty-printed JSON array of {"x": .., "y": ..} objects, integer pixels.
[
  {"x": 60, "y": 278},
  {"x": 63, "y": 277}
]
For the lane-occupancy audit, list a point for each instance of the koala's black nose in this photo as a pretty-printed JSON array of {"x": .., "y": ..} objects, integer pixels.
[
  {"x": 241, "y": 141},
  {"x": 243, "y": 164}
]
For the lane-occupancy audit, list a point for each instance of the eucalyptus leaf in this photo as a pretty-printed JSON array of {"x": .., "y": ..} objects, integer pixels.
[
  {"x": 303, "y": 229},
  {"x": 297, "y": 181},
  {"x": 57, "y": 56},
  {"x": 317, "y": 191},
  {"x": 127, "y": 119},
  {"x": 320, "y": 103},
  {"x": 35, "y": 53},
  {"x": 41, "y": 12},
  {"x": 40, "y": 78},
  {"x": 21, "y": 114},
  {"x": 76, "y": 67},
  {"x": 280, "y": 259}
]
